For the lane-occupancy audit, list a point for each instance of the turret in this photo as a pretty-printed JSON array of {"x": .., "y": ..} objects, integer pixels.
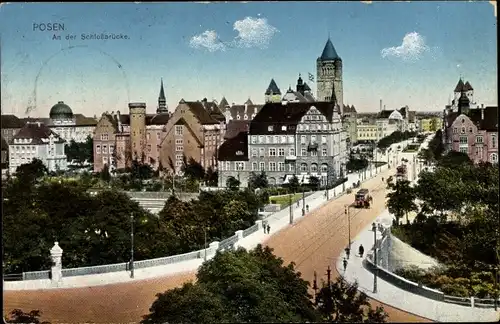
[
  {"x": 162, "y": 101},
  {"x": 137, "y": 129},
  {"x": 273, "y": 93}
]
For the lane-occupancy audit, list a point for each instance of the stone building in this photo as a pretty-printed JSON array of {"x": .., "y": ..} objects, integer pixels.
[
  {"x": 69, "y": 126},
  {"x": 287, "y": 139},
  {"x": 350, "y": 122},
  {"x": 457, "y": 93},
  {"x": 195, "y": 130},
  {"x": 473, "y": 131},
  {"x": 37, "y": 141},
  {"x": 11, "y": 124},
  {"x": 121, "y": 138},
  {"x": 329, "y": 75}
]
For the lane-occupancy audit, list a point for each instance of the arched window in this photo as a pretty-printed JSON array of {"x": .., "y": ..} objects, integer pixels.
[
  {"x": 324, "y": 167},
  {"x": 303, "y": 167},
  {"x": 314, "y": 167},
  {"x": 494, "y": 158}
]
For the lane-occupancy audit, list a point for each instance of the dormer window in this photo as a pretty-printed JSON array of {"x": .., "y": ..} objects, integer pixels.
[
  {"x": 270, "y": 128},
  {"x": 283, "y": 128}
]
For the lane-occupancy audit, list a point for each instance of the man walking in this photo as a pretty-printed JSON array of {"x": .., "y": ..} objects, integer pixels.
[
  {"x": 361, "y": 250},
  {"x": 268, "y": 228},
  {"x": 265, "y": 227},
  {"x": 345, "y": 264}
]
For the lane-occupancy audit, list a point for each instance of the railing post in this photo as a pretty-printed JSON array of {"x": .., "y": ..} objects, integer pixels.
[
  {"x": 213, "y": 247},
  {"x": 56, "y": 269},
  {"x": 239, "y": 235},
  {"x": 259, "y": 224},
  {"x": 472, "y": 301}
]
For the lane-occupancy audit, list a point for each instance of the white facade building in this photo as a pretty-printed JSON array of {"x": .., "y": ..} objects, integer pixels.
[
  {"x": 36, "y": 141},
  {"x": 70, "y": 126}
]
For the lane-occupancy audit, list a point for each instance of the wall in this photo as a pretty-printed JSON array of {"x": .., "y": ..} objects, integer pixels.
[{"x": 106, "y": 128}]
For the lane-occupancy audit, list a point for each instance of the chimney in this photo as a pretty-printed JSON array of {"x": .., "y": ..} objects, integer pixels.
[
  {"x": 119, "y": 121},
  {"x": 380, "y": 104},
  {"x": 384, "y": 107},
  {"x": 246, "y": 108},
  {"x": 482, "y": 112}
]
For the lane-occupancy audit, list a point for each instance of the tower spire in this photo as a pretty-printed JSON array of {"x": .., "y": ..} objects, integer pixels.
[{"x": 162, "y": 100}]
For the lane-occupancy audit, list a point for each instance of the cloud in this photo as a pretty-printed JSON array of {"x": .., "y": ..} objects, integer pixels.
[
  {"x": 412, "y": 47},
  {"x": 208, "y": 40},
  {"x": 253, "y": 32}
]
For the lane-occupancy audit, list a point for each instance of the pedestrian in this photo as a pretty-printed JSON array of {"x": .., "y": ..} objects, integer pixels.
[
  {"x": 347, "y": 252},
  {"x": 298, "y": 204},
  {"x": 382, "y": 179},
  {"x": 265, "y": 227},
  {"x": 307, "y": 208},
  {"x": 268, "y": 228},
  {"x": 345, "y": 263},
  {"x": 361, "y": 250}
]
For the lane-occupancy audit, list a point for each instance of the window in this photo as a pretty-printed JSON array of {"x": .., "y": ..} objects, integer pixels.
[
  {"x": 283, "y": 139},
  {"x": 455, "y": 130},
  {"x": 493, "y": 158},
  {"x": 493, "y": 141},
  {"x": 272, "y": 166},
  {"x": 149, "y": 148},
  {"x": 324, "y": 152},
  {"x": 323, "y": 139},
  {"x": 240, "y": 166},
  {"x": 479, "y": 139},
  {"x": 303, "y": 167},
  {"x": 261, "y": 139},
  {"x": 272, "y": 152},
  {"x": 463, "y": 150},
  {"x": 104, "y": 160},
  {"x": 112, "y": 149},
  {"x": 303, "y": 139},
  {"x": 281, "y": 166},
  {"x": 104, "y": 149},
  {"x": 479, "y": 152},
  {"x": 291, "y": 152},
  {"x": 178, "y": 163},
  {"x": 470, "y": 130},
  {"x": 245, "y": 117},
  {"x": 314, "y": 153},
  {"x": 281, "y": 152},
  {"x": 463, "y": 139},
  {"x": 261, "y": 151},
  {"x": 269, "y": 139},
  {"x": 262, "y": 166},
  {"x": 179, "y": 157},
  {"x": 303, "y": 152},
  {"x": 254, "y": 152},
  {"x": 270, "y": 128},
  {"x": 254, "y": 139},
  {"x": 283, "y": 128},
  {"x": 276, "y": 139},
  {"x": 291, "y": 167},
  {"x": 178, "y": 129},
  {"x": 463, "y": 130},
  {"x": 228, "y": 166},
  {"x": 178, "y": 141},
  {"x": 290, "y": 139},
  {"x": 178, "y": 148},
  {"x": 104, "y": 137},
  {"x": 148, "y": 136},
  {"x": 158, "y": 136},
  {"x": 313, "y": 138},
  {"x": 324, "y": 168},
  {"x": 254, "y": 166}
]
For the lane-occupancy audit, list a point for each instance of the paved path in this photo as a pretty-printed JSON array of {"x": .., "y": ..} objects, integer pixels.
[
  {"x": 410, "y": 302},
  {"x": 313, "y": 243}
]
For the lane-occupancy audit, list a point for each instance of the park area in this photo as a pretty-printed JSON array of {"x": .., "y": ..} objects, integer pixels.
[{"x": 284, "y": 200}]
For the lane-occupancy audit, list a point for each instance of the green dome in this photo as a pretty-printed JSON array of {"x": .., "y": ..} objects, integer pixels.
[{"x": 60, "y": 111}]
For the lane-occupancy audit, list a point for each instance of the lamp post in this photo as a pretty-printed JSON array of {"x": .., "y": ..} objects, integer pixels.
[
  {"x": 374, "y": 229},
  {"x": 346, "y": 210},
  {"x": 131, "y": 246}
]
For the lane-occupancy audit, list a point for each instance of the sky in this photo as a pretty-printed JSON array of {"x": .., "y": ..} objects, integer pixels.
[{"x": 405, "y": 53}]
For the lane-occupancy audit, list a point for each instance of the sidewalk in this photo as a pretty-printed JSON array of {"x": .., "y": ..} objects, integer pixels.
[{"x": 396, "y": 297}]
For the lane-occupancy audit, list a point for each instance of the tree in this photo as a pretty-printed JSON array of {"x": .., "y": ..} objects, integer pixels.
[
  {"x": 18, "y": 316},
  {"x": 258, "y": 180},
  {"x": 104, "y": 174},
  {"x": 193, "y": 169},
  {"x": 211, "y": 176},
  {"x": 356, "y": 164},
  {"x": 32, "y": 171},
  {"x": 340, "y": 301},
  {"x": 233, "y": 183},
  {"x": 314, "y": 182},
  {"x": 294, "y": 184},
  {"x": 426, "y": 155},
  {"x": 238, "y": 286},
  {"x": 454, "y": 159},
  {"x": 80, "y": 152},
  {"x": 401, "y": 199}
]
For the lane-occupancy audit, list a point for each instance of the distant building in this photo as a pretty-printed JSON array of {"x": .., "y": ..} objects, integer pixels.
[
  {"x": 120, "y": 139},
  {"x": 473, "y": 131},
  {"x": 37, "y": 141},
  {"x": 5, "y": 154},
  {"x": 195, "y": 130},
  {"x": 349, "y": 119},
  {"x": 287, "y": 139},
  {"x": 273, "y": 93},
  {"x": 11, "y": 124}
]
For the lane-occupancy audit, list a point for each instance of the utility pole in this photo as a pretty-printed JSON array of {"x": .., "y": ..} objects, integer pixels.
[
  {"x": 303, "y": 200},
  {"x": 374, "y": 229},
  {"x": 328, "y": 276},
  {"x": 131, "y": 246}
]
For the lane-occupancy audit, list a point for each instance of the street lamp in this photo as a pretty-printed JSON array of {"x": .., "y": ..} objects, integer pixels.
[
  {"x": 346, "y": 210},
  {"x": 374, "y": 229},
  {"x": 131, "y": 246}
]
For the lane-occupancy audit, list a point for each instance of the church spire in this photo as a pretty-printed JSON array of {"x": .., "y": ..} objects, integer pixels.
[{"x": 162, "y": 101}]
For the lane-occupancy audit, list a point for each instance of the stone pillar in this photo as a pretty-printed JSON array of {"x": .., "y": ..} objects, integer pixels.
[
  {"x": 472, "y": 302},
  {"x": 259, "y": 224},
  {"x": 56, "y": 269},
  {"x": 239, "y": 235},
  {"x": 213, "y": 247}
]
